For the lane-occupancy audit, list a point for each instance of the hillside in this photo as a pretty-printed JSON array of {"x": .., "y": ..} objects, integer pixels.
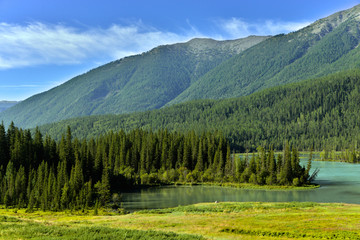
[
  {"x": 316, "y": 113},
  {"x": 199, "y": 69},
  {"x": 136, "y": 83},
  {"x": 6, "y": 104},
  {"x": 326, "y": 46}
]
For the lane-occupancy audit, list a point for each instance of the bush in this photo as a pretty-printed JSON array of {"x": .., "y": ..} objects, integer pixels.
[{"x": 296, "y": 182}]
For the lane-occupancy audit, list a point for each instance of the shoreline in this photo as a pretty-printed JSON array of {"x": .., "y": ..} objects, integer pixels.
[
  {"x": 251, "y": 186},
  {"x": 231, "y": 185}
]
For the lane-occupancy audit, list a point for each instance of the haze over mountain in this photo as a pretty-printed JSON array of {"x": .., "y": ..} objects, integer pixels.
[
  {"x": 199, "y": 69},
  {"x": 6, "y": 104}
]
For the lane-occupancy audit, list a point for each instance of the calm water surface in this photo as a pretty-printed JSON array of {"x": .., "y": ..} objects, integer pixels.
[{"x": 340, "y": 182}]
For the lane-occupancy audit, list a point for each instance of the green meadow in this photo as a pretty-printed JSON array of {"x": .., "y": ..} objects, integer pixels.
[{"x": 228, "y": 220}]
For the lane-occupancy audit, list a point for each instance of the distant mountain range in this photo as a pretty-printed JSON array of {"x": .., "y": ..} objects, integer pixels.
[
  {"x": 6, "y": 104},
  {"x": 199, "y": 69}
]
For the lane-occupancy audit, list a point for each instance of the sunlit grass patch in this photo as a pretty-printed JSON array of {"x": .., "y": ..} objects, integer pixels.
[
  {"x": 224, "y": 220},
  {"x": 33, "y": 230},
  {"x": 227, "y": 207}
]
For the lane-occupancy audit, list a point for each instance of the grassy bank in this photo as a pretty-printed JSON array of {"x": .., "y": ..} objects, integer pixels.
[
  {"x": 263, "y": 187},
  {"x": 201, "y": 221},
  {"x": 233, "y": 185}
]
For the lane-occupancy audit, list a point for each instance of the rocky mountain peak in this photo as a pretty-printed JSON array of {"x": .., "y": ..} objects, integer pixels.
[{"x": 327, "y": 24}]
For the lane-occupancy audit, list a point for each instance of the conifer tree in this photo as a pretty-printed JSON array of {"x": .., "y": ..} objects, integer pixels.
[
  {"x": 272, "y": 168},
  {"x": 4, "y": 151},
  {"x": 308, "y": 166},
  {"x": 37, "y": 172},
  {"x": 229, "y": 166},
  {"x": 200, "y": 161}
]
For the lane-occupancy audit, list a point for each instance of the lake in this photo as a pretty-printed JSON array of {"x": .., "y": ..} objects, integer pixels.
[{"x": 340, "y": 182}]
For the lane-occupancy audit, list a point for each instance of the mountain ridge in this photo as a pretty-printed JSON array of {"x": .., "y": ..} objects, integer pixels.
[
  {"x": 200, "y": 69},
  {"x": 284, "y": 58},
  {"x": 136, "y": 83}
]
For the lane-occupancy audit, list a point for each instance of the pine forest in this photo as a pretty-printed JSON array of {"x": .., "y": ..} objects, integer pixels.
[{"x": 38, "y": 172}]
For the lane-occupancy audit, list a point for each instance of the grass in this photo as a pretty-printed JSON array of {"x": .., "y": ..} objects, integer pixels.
[
  {"x": 239, "y": 185},
  {"x": 264, "y": 187},
  {"x": 227, "y": 220},
  {"x": 45, "y": 225}
]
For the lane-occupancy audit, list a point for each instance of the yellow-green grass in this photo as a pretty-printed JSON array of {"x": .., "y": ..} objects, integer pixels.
[
  {"x": 211, "y": 220},
  {"x": 244, "y": 185},
  {"x": 264, "y": 187},
  {"x": 19, "y": 224}
]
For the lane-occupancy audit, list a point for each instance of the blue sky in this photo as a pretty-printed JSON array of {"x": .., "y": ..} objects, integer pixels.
[{"x": 45, "y": 43}]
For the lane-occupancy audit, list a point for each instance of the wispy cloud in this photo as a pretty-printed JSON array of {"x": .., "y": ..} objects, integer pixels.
[
  {"x": 238, "y": 28},
  {"x": 39, "y": 43}
]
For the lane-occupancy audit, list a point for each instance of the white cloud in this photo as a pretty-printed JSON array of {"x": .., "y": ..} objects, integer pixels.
[
  {"x": 39, "y": 43},
  {"x": 238, "y": 28}
]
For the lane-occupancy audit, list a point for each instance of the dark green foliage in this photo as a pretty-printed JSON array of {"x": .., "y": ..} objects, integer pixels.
[
  {"x": 71, "y": 174},
  {"x": 317, "y": 113},
  {"x": 137, "y": 83},
  {"x": 351, "y": 155},
  {"x": 79, "y": 175},
  {"x": 264, "y": 169}
]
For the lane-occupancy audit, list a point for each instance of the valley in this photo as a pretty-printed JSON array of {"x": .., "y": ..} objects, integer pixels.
[
  {"x": 250, "y": 138},
  {"x": 316, "y": 113},
  {"x": 199, "y": 69},
  {"x": 136, "y": 83}
]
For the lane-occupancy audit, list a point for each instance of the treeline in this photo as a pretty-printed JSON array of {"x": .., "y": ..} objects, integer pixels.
[
  {"x": 347, "y": 155},
  {"x": 320, "y": 113},
  {"x": 265, "y": 168},
  {"x": 38, "y": 172}
]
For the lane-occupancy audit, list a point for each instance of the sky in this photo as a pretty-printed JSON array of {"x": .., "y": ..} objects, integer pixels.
[{"x": 44, "y": 43}]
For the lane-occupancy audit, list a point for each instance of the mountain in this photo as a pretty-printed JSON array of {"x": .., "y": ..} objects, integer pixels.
[
  {"x": 316, "y": 113},
  {"x": 326, "y": 46},
  {"x": 136, "y": 83},
  {"x": 200, "y": 69},
  {"x": 6, "y": 104}
]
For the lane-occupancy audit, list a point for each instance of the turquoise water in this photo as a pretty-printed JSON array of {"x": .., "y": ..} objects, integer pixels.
[{"x": 340, "y": 182}]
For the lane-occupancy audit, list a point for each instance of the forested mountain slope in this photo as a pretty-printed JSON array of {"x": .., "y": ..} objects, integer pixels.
[
  {"x": 199, "y": 69},
  {"x": 136, "y": 83},
  {"x": 326, "y": 46},
  {"x": 316, "y": 113}
]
